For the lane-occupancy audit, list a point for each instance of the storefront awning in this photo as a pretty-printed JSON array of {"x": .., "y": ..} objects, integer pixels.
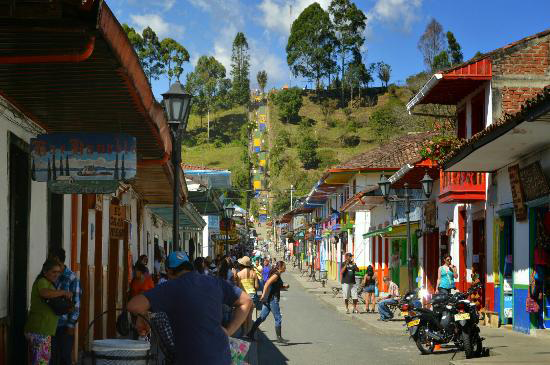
[
  {"x": 393, "y": 231},
  {"x": 190, "y": 218}
]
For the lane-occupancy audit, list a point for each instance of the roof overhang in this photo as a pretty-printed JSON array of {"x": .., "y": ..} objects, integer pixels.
[
  {"x": 363, "y": 200},
  {"x": 413, "y": 173},
  {"x": 451, "y": 86},
  {"x": 78, "y": 72},
  {"x": 190, "y": 218},
  {"x": 504, "y": 144},
  {"x": 206, "y": 202}
]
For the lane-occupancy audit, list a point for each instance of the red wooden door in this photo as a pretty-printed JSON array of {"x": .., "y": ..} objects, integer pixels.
[{"x": 431, "y": 259}]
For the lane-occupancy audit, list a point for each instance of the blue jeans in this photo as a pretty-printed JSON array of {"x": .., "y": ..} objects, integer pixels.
[
  {"x": 272, "y": 306},
  {"x": 383, "y": 309}
]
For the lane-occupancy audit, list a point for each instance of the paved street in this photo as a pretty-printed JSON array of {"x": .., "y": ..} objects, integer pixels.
[{"x": 319, "y": 334}]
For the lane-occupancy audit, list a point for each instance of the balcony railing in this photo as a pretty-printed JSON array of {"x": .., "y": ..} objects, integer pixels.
[{"x": 461, "y": 187}]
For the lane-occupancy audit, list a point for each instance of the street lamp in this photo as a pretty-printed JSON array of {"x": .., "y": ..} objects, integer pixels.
[
  {"x": 229, "y": 211},
  {"x": 427, "y": 186},
  {"x": 177, "y": 105}
]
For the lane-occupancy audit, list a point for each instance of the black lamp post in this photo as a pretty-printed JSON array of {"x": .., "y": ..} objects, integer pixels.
[
  {"x": 177, "y": 105},
  {"x": 229, "y": 211},
  {"x": 427, "y": 186}
]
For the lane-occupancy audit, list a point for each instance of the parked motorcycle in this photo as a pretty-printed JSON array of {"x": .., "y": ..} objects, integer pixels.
[{"x": 453, "y": 318}]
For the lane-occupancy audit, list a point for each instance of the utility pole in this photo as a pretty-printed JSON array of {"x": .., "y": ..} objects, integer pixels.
[{"x": 291, "y": 191}]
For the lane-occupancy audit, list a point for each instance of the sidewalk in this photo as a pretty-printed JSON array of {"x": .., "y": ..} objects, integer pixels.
[{"x": 506, "y": 346}]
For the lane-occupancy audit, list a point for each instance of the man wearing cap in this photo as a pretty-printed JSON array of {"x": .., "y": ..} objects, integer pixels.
[
  {"x": 349, "y": 287},
  {"x": 193, "y": 304}
]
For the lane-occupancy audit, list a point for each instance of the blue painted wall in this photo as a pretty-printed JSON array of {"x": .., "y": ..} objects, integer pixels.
[
  {"x": 497, "y": 300},
  {"x": 522, "y": 321}
]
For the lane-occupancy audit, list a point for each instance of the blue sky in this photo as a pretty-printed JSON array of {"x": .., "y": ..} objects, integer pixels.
[{"x": 207, "y": 27}]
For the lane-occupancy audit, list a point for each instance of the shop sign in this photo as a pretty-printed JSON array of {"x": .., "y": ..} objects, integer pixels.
[
  {"x": 117, "y": 216},
  {"x": 83, "y": 162},
  {"x": 533, "y": 181},
  {"x": 517, "y": 193}
]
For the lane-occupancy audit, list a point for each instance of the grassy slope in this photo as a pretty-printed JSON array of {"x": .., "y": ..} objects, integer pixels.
[
  {"x": 328, "y": 137},
  {"x": 224, "y": 128}
]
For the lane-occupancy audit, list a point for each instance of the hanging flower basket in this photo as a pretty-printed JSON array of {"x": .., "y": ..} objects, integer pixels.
[{"x": 437, "y": 148}]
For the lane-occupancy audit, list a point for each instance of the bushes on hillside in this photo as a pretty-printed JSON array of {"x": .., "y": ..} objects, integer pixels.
[
  {"x": 307, "y": 152},
  {"x": 289, "y": 103}
]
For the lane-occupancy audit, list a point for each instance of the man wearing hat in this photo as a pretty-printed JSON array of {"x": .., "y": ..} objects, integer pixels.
[
  {"x": 193, "y": 304},
  {"x": 349, "y": 287}
]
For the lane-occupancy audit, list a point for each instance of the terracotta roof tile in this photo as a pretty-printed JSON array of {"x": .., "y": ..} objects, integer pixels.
[{"x": 392, "y": 154}]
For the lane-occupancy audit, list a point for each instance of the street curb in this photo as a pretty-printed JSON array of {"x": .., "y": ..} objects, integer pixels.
[{"x": 381, "y": 331}]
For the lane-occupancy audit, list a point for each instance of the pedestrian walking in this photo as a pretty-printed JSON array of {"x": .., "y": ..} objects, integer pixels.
[
  {"x": 349, "y": 286},
  {"x": 258, "y": 270},
  {"x": 271, "y": 296},
  {"x": 247, "y": 280},
  {"x": 142, "y": 282},
  {"x": 446, "y": 276},
  {"x": 392, "y": 299},
  {"x": 193, "y": 304},
  {"x": 41, "y": 322},
  {"x": 370, "y": 282},
  {"x": 266, "y": 270},
  {"x": 63, "y": 341}
]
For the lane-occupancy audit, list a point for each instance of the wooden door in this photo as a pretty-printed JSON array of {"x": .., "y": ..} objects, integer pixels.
[{"x": 462, "y": 224}]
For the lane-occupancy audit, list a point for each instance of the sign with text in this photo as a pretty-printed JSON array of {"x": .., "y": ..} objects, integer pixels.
[
  {"x": 117, "y": 216},
  {"x": 517, "y": 193},
  {"x": 75, "y": 157}
]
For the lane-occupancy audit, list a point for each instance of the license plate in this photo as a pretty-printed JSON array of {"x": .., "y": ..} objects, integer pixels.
[
  {"x": 403, "y": 314},
  {"x": 413, "y": 323},
  {"x": 462, "y": 316}
]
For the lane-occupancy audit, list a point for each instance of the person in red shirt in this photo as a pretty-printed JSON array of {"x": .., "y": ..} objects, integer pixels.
[{"x": 142, "y": 281}]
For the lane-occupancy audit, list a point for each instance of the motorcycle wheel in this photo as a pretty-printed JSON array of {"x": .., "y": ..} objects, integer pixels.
[
  {"x": 472, "y": 345},
  {"x": 425, "y": 344}
]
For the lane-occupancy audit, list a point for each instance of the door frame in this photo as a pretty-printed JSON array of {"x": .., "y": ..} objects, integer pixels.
[{"x": 13, "y": 337}]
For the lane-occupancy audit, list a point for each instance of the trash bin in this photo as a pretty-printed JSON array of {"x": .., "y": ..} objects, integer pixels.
[{"x": 120, "y": 352}]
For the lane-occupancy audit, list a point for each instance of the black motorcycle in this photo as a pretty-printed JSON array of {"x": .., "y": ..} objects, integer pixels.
[{"x": 453, "y": 318}]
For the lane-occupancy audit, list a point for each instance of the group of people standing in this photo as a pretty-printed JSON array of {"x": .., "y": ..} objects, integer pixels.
[
  {"x": 447, "y": 274},
  {"x": 54, "y": 312},
  {"x": 208, "y": 301}
]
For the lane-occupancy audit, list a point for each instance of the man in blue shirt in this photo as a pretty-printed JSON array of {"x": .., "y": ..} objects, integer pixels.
[
  {"x": 266, "y": 269},
  {"x": 62, "y": 342},
  {"x": 193, "y": 304}
]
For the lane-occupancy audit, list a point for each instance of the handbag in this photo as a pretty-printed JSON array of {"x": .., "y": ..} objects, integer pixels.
[{"x": 60, "y": 305}]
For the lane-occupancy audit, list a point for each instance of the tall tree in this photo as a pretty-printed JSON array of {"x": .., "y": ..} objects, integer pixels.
[
  {"x": 455, "y": 51},
  {"x": 349, "y": 25},
  {"x": 206, "y": 82},
  {"x": 152, "y": 55},
  {"x": 311, "y": 44},
  {"x": 173, "y": 56},
  {"x": 441, "y": 61},
  {"x": 384, "y": 72},
  {"x": 261, "y": 77},
  {"x": 432, "y": 42},
  {"x": 240, "y": 66}
]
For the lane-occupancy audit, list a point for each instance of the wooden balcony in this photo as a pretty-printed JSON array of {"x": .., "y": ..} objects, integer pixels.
[{"x": 461, "y": 187}]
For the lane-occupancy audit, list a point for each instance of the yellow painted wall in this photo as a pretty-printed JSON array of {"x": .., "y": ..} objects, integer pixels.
[
  {"x": 257, "y": 184},
  {"x": 262, "y": 162},
  {"x": 257, "y": 142}
]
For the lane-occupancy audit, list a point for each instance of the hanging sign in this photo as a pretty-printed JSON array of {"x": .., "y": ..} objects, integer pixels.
[
  {"x": 116, "y": 221},
  {"x": 83, "y": 162},
  {"x": 533, "y": 181},
  {"x": 517, "y": 193}
]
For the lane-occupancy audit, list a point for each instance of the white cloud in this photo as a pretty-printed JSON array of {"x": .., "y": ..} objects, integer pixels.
[
  {"x": 402, "y": 13},
  {"x": 277, "y": 15},
  {"x": 202, "y": 4},
  {"x": 168, "y": 4},
  {"x": 161, "y": 27}
]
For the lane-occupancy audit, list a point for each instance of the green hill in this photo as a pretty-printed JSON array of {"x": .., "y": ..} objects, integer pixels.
[{"x": 340, "y": 134}]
